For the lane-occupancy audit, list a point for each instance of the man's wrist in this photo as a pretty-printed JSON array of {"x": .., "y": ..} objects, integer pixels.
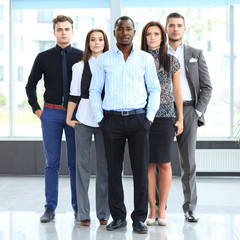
[{"x": 199, "y": 114}]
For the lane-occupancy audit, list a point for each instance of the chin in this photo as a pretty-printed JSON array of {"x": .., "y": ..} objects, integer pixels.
[{"x": 125, "y": 44}]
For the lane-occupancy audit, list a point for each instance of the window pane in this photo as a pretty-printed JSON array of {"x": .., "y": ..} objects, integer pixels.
[
  {"x": 1, "y": 42},
  {"x": 1, "y": 12},
  {"x": 236, "y": 65},
  {"x": 4, "y": 68},
  {"x": 35, "y": 34},
  {"x": 207, "y": 29}
]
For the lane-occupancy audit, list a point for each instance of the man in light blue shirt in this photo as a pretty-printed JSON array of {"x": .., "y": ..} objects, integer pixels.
[{"x": 132, "y": 97}]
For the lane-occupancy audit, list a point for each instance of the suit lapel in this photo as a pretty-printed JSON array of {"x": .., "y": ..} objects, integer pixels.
[{"x": 187, "y": 56}]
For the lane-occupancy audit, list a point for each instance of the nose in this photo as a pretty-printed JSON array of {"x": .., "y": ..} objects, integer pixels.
[{"x": 124, "y": 31}]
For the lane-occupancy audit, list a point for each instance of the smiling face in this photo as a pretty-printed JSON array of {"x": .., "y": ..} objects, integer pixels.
[
  {"x": 63, "y": 32},
  {"x": 124, "y": 32},
  {"x": 153, "y": 37},
  {"x": 96, "y": 43},
  {"x": 175, "y": 29}
]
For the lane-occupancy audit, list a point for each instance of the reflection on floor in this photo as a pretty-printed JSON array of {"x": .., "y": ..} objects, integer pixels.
[{"x": 22, "y": 200}]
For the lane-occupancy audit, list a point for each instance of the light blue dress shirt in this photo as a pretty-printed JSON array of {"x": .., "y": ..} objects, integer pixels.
[{"x": 127, "y": 84}]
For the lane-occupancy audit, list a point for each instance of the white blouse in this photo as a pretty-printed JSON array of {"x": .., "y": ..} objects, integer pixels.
[{"x": 84, "y": 112}]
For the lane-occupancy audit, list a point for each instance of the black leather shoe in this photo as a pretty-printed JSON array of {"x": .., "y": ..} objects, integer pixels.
[
  {"x": 48, "y": 215},
  {"x": 139, "y": 227},
  {"x": 189, "y": 216},
  {"x": 115, "y": 224}
]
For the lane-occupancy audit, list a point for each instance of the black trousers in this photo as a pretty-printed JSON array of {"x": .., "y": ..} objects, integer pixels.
[{"x": 116, "y": 130}]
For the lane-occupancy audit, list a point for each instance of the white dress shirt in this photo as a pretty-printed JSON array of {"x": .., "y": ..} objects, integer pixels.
[
  {"x": 179, "y": 54},
  {"x": 125, "y": 83},
  {"x": 84, "y": 112}
]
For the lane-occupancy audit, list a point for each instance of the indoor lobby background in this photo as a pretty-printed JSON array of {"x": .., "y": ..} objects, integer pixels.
[{"x": 26, "y": 30}]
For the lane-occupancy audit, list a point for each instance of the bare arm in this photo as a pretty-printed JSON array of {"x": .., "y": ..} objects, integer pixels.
[
  {"x": 70, "y": 108},
  {"x": 177, "y": 92}
]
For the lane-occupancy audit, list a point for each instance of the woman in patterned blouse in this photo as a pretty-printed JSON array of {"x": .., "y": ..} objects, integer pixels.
[{"x": 165, "y": 125}]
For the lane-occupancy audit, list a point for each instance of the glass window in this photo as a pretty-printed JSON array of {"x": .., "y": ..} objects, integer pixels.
[
  {"x": 1, "y": 42},
  {"x": 44, "y": 16},
  {"x": 18, "y": 16},
  {"x": 1, "y": 74},
  {"x": 236, "y": 64},
  {"x": 1, "y": 12},
  {"x": 19, "y": 43},
  {"x": 20, "y": 74},
  {"x": 4, "y": 69}
]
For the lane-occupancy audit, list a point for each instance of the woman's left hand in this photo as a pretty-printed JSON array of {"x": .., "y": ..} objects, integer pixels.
[{"x": 179, "y": 125}]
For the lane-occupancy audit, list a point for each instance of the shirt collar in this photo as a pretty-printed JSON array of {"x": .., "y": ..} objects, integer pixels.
[
  {"x": 179, "y": 47},
  {"x": 68, "y": 48},
  {"x": 92, "y": 59},
  {"x": 116, "y": 49}
]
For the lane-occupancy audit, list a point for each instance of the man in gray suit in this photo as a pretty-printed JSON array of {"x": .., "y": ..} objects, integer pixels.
[{"x": 196, "y": 89}]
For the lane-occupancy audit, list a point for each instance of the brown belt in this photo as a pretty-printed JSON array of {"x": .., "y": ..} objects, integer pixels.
[{"x": 55, "y": 106}]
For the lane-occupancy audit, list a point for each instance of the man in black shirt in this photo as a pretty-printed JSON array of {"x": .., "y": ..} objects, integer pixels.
[{"x": 55, "y": 65}]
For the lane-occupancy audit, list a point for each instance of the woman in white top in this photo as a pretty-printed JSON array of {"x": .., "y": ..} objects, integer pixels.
[{"x": 85, "y": 127}]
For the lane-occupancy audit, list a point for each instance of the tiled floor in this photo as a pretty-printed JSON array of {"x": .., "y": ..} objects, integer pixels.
[{"x": 22, "y": 199}]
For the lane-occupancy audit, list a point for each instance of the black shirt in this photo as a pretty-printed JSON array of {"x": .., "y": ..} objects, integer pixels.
[{"x": 49, "y": 64}]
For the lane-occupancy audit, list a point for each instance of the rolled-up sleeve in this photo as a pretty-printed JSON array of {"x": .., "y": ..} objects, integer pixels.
[
  {"x": 96, "y": 88},
  {"x": 153, "y": 88}
]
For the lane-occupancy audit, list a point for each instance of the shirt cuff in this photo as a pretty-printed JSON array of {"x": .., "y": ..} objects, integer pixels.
[
  {"x": 99, "y": 117},
  {"x": 198, "y": 113},
  {"x": 150, "y": 116}
]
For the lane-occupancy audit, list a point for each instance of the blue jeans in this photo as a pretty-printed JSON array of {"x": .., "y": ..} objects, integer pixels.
[{"x": 53, "y": 123}]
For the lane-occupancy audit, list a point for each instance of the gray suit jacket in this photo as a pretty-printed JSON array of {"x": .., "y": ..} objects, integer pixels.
[{"x": 198, "y": 79}]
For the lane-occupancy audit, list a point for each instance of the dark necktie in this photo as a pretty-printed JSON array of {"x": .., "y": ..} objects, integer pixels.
[{"x": 65, "y": 78}]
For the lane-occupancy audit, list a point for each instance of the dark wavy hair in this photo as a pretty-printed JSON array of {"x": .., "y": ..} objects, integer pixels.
[
  {"x": 87, "y": 52},
  {"x": 164, "y": 58}
]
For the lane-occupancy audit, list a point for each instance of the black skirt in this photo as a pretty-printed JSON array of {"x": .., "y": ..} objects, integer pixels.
[{"x": 161, "y": 137}]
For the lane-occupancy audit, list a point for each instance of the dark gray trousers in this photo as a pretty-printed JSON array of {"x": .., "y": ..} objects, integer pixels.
[{"x": 83, "y": 139}]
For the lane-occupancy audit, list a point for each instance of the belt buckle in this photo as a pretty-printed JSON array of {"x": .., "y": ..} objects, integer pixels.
[
  {"x": 63, "y": 108},
  {"x": 125, "y": 113}
]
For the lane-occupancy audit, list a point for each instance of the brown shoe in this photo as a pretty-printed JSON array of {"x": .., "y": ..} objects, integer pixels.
[
  {"x": 103, "y": 221},
  {"x": 85, "y": 222}
]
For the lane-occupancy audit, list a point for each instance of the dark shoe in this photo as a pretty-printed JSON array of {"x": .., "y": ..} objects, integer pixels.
[
  {"x": 115, "y": 224},
  {"x": 139, "y": 227},
  {"x": 103, "y": 221},
  {"x": 48, "y": 215},
  {"x": 85, "y": 222},
  {"x": 189, "y": 216}
]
